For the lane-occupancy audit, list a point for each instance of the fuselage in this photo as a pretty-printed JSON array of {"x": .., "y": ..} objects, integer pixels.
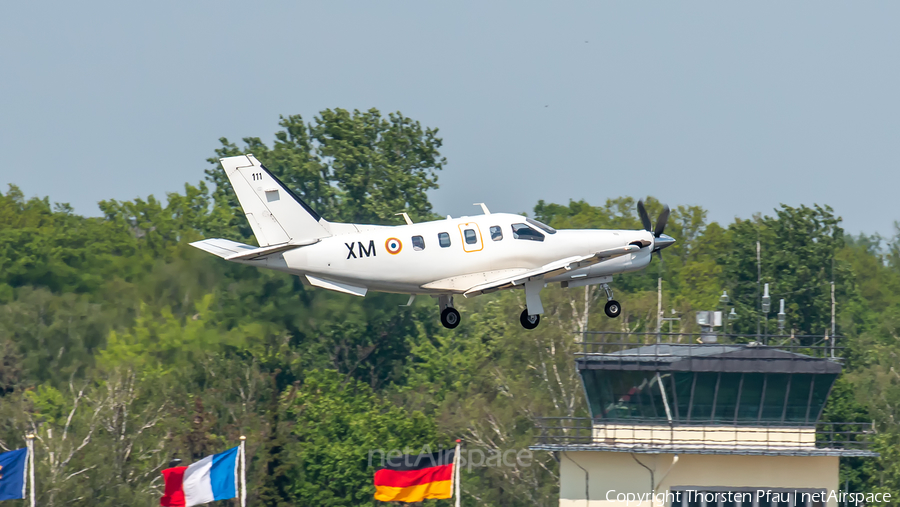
[
  {"x": 467, "y": 255},
  {"x": 449, "y": 256}
]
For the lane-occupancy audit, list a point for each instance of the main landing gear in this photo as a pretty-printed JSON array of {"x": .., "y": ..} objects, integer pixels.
[
  {"x": 529, "y": 321},
  {"x": 450, "y": 318},
  {"x": 449, "y": 315},
  {"x": 613, "y": 308}
]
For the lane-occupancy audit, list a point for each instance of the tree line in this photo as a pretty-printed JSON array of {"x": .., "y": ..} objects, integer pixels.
[{"x": 121, "y": 347}]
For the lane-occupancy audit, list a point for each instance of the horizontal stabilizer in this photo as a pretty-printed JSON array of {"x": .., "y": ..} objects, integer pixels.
[
  {"x": 234, "y": 251},
  {"x": 269, "y": 250},
  {"x": 223, "y": 248}
]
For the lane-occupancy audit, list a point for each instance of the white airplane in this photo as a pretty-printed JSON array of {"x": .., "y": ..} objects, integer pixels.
[{"x": 466, "y": 255}]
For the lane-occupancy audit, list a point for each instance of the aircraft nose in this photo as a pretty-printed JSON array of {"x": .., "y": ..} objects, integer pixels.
[{"x": 663, "y": 241}]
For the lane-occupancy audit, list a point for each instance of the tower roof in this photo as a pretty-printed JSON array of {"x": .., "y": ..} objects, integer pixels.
[{"x": 751, "y": 358}]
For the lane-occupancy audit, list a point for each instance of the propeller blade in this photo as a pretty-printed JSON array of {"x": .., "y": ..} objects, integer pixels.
[
  {"x": 645, "y": 218},
  {"x": 661, "y": 222}
]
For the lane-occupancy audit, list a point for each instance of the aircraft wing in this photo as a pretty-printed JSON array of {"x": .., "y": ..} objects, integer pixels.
[{"x": 552, "y": 269}]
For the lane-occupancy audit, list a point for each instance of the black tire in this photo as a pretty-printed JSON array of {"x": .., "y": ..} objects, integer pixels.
[
  {"x": 450, "y": 318},
  {"x": 529, "y": 321},
  {"x": 613, "y": 309}
]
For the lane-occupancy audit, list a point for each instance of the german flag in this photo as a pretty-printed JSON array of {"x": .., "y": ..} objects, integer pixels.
[{"x": 413, "y": 478}]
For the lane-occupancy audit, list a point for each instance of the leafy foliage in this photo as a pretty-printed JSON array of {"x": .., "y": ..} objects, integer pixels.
[{"x": 121, "y": 347}]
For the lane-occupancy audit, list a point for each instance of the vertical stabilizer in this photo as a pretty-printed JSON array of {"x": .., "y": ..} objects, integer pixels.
[{"x": 275, "y": 214}]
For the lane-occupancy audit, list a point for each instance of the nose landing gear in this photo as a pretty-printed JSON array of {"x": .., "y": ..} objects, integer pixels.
[{"x": 613, "y": 308}]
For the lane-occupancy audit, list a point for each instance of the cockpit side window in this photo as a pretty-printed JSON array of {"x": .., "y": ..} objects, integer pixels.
[
  {"x": 522, "y": 231},
  {"x": 544, "y": 227},
  {"x": 496, "y": 233}
]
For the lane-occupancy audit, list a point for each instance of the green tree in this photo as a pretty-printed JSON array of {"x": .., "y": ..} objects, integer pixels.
[
  {"x": 354, "y": 167},
  {"x": 339, "y": 424},
  {"x": 799, "y": 260},
  {"x": 137, "y": 347}
]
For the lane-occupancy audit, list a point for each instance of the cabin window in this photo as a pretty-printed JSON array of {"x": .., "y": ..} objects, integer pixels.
[
  {"x": 444, "y": 239},
  {"x": 496, "y": 233},
  {"x": 471, "y": 237},
  {"x": 418, "y": 243},
  {"x": 522, "y": 231}
]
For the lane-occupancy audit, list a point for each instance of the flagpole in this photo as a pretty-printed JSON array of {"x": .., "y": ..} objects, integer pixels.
[
  {"x": 30, "y": 461},
  {"x": 25, "y": 471},
  {"x": 243, "y": 474},
  {"x": 456, "y": 472}
]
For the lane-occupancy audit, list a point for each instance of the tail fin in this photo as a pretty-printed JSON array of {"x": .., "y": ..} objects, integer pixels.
[{"x": 275, "y": 214}]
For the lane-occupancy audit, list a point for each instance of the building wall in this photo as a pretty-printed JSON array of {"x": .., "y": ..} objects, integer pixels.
[
  {"x": 706, "y": 437},
  {"x": 608, "y": 471}
]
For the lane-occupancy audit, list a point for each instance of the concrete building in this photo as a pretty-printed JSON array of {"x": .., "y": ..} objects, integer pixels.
[{"x": 704, "y": 425}]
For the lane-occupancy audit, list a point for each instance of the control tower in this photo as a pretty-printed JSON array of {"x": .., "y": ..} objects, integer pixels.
[{"x": 703, "y": 425}]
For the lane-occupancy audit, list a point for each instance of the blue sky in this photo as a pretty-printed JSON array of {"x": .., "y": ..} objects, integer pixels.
[{"x": 735, "y": 107}]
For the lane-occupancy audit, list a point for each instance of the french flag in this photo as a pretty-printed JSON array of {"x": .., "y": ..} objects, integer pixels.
[{"x": 212, "y": 478}]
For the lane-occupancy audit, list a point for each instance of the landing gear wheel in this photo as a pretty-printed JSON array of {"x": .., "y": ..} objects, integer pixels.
[
  {"x": 529, "y": 321},
  {"x": 450, "y": 317},
  {"x": 613, "y": 308}
]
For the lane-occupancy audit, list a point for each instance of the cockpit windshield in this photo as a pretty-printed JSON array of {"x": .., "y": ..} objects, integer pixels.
[
  {"x": 544, "y": 227},
  {"x": 522, "y": 231}
]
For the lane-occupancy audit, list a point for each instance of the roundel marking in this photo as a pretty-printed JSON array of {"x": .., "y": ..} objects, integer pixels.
[{"x": 393, "y": 246}]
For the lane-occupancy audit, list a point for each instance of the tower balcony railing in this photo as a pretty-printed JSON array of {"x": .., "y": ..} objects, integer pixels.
[
  {"x": 777, "y": 438},
  {"x": 595, "y": 343}
]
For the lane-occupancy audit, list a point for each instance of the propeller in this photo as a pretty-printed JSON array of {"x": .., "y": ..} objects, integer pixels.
[
  {"x": 645, "y": 218},
  {"x": 661, "y": 240},
  {"x": 661, "y": 222}
]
